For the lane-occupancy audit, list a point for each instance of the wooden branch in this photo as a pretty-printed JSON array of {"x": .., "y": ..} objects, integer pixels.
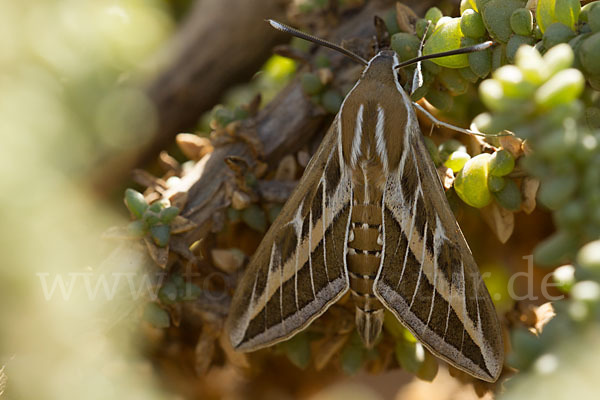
[{"x": 221, "y": 43}]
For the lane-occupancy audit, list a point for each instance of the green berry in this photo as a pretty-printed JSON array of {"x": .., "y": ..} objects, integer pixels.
[
  {"x": 514, "y": 43},
  {"x": 391, "y": 23},
  {"x": 594, "y": 17},
  {"x": 457, "y": 160},
  {"x": 589, "y": 54},
  {"x": 589, "y": 256},
  {"x": 471, "y": 182},
  {"x": 465, "y": 5},
  {"x": 556, "y": 191},
  {"x": 557, "y": 33},
  {"x": 434, "y": 14},
  {"x": 433, "y": 151},
  {"x": 492, "y": 95},
  {"x": 471, "y": 24},
  {"x": 440, "y": 99},
  {"x": 558, "y": 58},
  {"x": 496, "y": 183},
  {"x": 521, "y": 22},
  {"x": 564, "y": 277},
  {"x": 447, "y": 36},
  {"x": 501, "y": 163},
  {"x": 450, "y": 146},
  {"x": 481, "y": 62},
  {"x": 509, "y": 196},
  {"x": 531, "y": 64},
  {"x": 513, "y": 82},
  {"x": 332, "y": 101},
  {"x": 496, "y": 17},
  {"x": 452, "y": 81},
  {"x": 311, "y": 84},
  {"x": 405, "y": 45},
  {"x": 255, "y": 218},
  {"x": 467, "y": 74},
  {"x": 562, "y": 88}
]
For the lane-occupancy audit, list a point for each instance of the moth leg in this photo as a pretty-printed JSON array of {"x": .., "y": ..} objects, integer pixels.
[{"x": 437, "y": 122}]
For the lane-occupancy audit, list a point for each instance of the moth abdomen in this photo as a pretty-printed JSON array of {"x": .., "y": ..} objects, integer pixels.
[{"x": 364, "y": 258}]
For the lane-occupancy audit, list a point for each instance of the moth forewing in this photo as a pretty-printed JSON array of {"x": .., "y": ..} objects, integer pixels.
[
  {"x": 429, "y": 278},
  {"x": 299, "y": 268}
]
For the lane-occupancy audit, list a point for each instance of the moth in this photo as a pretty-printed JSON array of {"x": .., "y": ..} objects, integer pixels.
[{"x": 370, "y": 216}]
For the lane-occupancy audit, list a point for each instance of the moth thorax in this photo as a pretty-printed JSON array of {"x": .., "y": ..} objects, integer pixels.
[{"x": 364, "y": 257}]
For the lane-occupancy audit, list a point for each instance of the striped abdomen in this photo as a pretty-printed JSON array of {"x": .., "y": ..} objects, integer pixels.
[{"x": 364, "y": 257}]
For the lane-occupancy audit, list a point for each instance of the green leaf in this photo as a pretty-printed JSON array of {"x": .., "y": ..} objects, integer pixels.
[
  {"x": 353, "y": 355},
  {"x": 410, "y": 355},
  {"x": 509, "y": 196},
  {"x": 502, "y": 163},
  {"x": 160, "y": 234},
  {"x": 297, "y": 350},
  {"x": 168, "y": 214},
  {"x": 255, "y": 218},
  {"x": 555, "y": 249},
  {"x": 135, "y": 202},
  {"x": 156, "y": 316}
]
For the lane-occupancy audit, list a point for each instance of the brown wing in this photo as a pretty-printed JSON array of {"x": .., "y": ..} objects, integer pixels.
[
  {"x": 299, "y": 269},
  {"x": 428, "y": 277}
]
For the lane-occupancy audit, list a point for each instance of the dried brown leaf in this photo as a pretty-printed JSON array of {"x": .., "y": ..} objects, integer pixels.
[
  {"x": 325, "y": 75},
  {"x": 406, "y": 18},
  {"x": 500, "y": 220},
  {"x": 167, "y": 162},
  {"x": 303, "y": 158},
  {"x": 160, "y": 255},
  {"x": 512, "y": 144},
  {"x": 529, "y": 189},
  {"x": 228, "y": 260},
  {"x": 193, "y": 146},
  {"x": 287, "y": 169},
  {"x": 240, "y": 200},
  {"x": 446, "y": 176},
  {"x": 543, "y": 315}
]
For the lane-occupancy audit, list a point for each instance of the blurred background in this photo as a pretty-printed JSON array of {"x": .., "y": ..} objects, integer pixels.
[{"x": 92, "y": 90}]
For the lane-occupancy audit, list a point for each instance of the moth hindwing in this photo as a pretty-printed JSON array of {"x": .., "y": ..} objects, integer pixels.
[{"x": 370, "y": 216}]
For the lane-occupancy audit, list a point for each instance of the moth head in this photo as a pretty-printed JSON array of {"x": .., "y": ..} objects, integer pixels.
[{"x": 382, "y": 68}]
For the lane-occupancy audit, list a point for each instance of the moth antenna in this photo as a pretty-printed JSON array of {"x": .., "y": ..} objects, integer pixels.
[
  {"x": 469, "y": 49},
  {"x": 295, "y": 32}
]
